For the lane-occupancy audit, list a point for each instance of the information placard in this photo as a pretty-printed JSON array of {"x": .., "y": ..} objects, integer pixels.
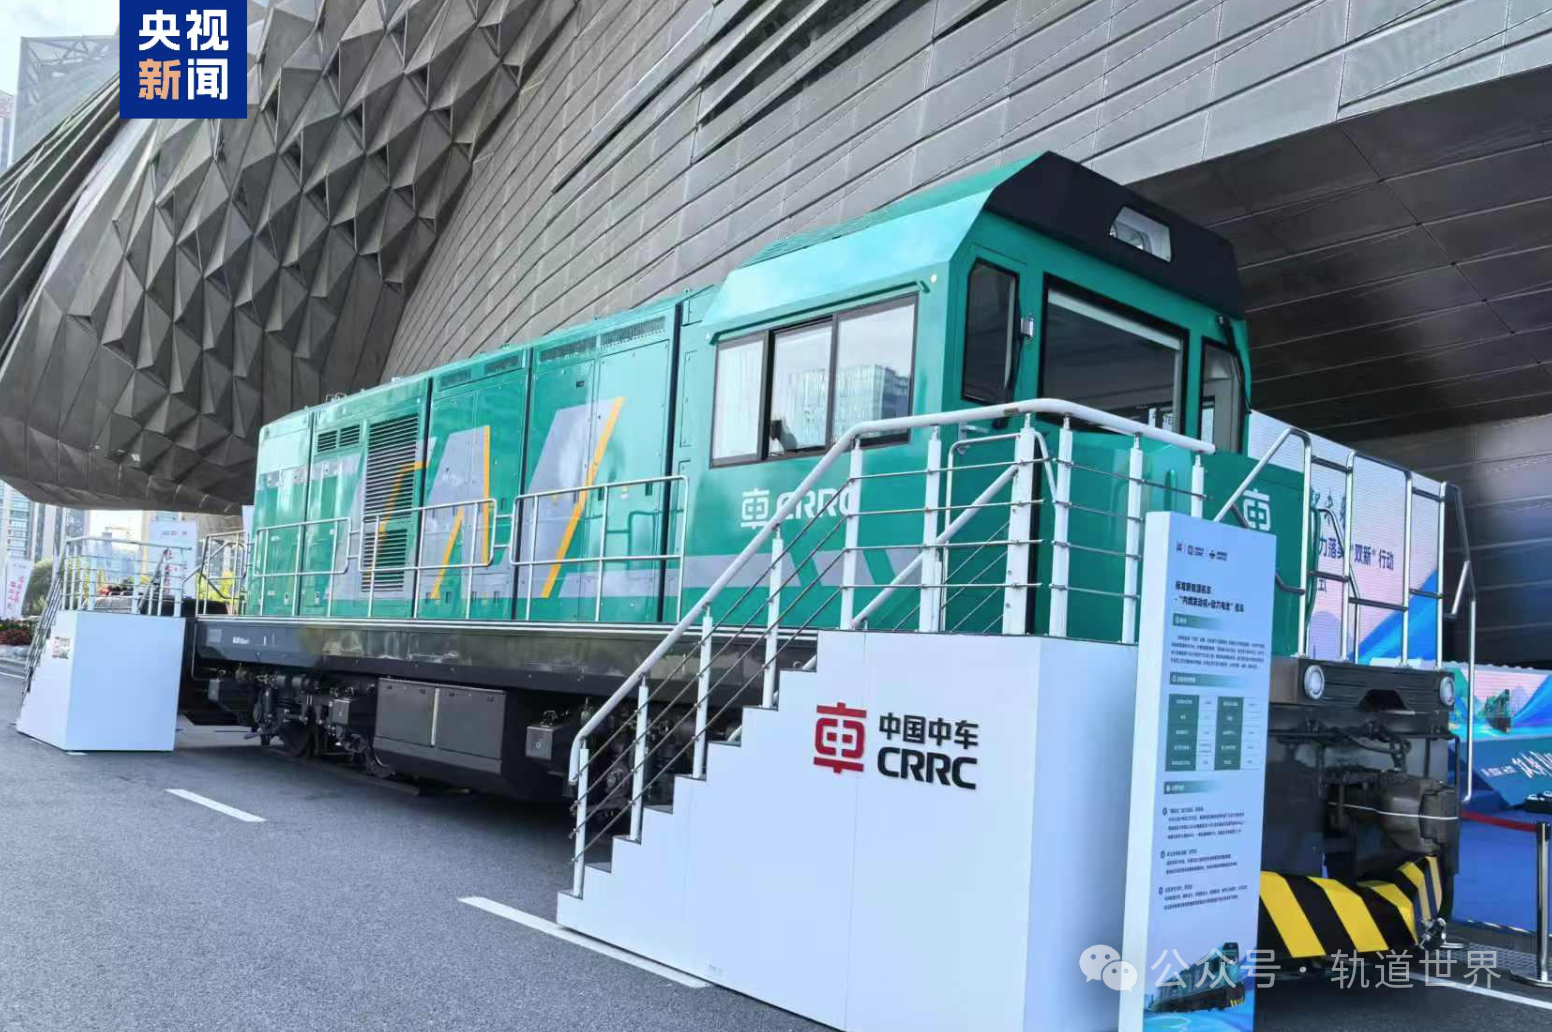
[{"x": 1198, "y": 775}]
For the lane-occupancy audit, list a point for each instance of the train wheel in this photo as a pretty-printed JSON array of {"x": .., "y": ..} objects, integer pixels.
[
  {"x": 373, "y": 766},
  {"x": 296, "y": 739}
]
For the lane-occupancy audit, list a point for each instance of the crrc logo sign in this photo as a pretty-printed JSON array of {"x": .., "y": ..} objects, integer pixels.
[{"x": 841, "y": 735}]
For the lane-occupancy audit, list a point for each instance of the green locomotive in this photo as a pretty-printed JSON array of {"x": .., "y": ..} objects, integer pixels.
[{"x": 446, "y": 571}]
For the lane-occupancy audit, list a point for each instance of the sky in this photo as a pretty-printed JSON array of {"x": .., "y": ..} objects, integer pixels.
[{"x": 20, "y": 18}]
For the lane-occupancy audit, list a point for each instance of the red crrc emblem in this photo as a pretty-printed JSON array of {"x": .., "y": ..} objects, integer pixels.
[{"x": 839, "y": 737}]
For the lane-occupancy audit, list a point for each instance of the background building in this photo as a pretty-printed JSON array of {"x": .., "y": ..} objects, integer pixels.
[
  {"x": 421, "y": 180},
  {"x": 55, "y": 74},
  {"x": 34, "y": 531},
  {"x": 7, "y": 118},
  {"x": 16, "y": 528}
]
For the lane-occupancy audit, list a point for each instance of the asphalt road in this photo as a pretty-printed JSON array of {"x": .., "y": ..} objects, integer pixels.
[{"x": 124, "y": 907}]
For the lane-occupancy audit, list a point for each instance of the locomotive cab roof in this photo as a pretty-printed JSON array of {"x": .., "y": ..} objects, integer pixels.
[{"x": 1049, "y": 194}]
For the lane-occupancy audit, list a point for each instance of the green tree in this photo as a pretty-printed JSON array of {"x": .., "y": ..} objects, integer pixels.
[{"x": 37, "y": 588}]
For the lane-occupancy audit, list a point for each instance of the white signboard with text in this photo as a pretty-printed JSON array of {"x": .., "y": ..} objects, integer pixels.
[
  {"x": 14, "y": 586},
  {"x": 1198, "y": 775}
]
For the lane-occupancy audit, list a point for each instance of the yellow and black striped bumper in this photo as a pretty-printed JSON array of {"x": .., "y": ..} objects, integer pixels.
[{"x": 1319, "y": 917}]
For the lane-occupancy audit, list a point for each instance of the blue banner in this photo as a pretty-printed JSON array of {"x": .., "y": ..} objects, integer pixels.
[
  {"x": 1516, "y": 768},
  {"x": 183, "y": 59}
]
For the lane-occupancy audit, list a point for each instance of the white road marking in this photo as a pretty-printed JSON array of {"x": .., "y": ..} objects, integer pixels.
[
  {"x": 230, "y": 811},
  {"x": 1495, "y": 994},
  {"x": 567, "y": 935},
  {"x": 75, "y": 753}
]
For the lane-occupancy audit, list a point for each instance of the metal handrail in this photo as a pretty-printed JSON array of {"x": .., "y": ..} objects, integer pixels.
[
  {"x": 81, "y": 575},
  {"x": 214, "y": 548},
  {"x": 1466, "y": 587},
  {"x": 843, "y": 445},
  {"x": 602, "y": 558},
  {"x": 1355, "y": 600}
]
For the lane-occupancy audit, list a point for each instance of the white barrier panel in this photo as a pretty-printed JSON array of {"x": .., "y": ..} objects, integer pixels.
[
  {"x": 928, "y": 834},
  {"x": 106, "y": 681}
]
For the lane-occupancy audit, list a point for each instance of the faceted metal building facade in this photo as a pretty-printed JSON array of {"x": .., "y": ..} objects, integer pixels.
[
  {"x": 168, "y": 287},
  {"x": 422, "y": 179}
]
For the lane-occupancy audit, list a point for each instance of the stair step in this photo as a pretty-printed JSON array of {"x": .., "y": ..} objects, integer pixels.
[
  {"x": 600, "y": 865},
  {"x": 661, "y": 807}
]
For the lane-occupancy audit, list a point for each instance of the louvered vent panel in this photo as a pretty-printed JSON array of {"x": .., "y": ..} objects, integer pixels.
[
  {"x": 327, "y": 441},
  {"x": 349, "y": 436},
  {"x": 645, "y": 328},
  {"x": 390, "y": 464},
  {"x": 561, "y": 351},
  {"x": 390, "y": 549}
]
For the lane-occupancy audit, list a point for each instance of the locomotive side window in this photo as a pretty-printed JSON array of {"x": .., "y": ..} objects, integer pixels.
[
  {"x": 735, "y": 430},
  {"x": 800, "y": 389},
  {"x": 1099, "y": 357},
  {"x": 1222, "y": 393},
  {"x": 873, "y": 365},
  {"x": 990, "y": 315}
]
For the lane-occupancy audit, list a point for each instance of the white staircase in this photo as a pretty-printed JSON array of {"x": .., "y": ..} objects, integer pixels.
[{"x": 867, "y": 901}]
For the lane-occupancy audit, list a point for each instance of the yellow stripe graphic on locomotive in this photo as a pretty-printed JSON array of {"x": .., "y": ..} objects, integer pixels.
[{"x": 581, "y": 503}]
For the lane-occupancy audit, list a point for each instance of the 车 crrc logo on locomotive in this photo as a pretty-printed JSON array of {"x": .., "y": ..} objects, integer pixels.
[{"x": 945, "y": 757}]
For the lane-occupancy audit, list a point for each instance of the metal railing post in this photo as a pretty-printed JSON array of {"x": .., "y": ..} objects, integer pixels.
[
  {"x": 371, "y": 583},
  {"x": 1061, "y": 558},
  {"x": 853, "y": 529},
  {"x": 1406, "y": 574},
  {"x": 639, "y": 759},
  {"x": 1306, "y": 519},
  {"x": 1198, "y": 487},
  {"x": 603, "y": 548},
  {"x": 579, "y": 862},
  {"x": 702, "y": 701},
  {"x": 772, "y": 623},
  {"x": 1471, "y": 697},
  {"x": 1349, "y": 585},
  {"x": 1543, "y": 974},
  {"x": 468, "y": 574},
  {"x": 1438, "y": 615},
  {"x": 1133, "y": 542},
  {"x": 533, "y": 544},
  {"x": 929, "y": 615},
  {"x": 1021, "y": 515},
  {"x": 296, "y": 566},
  {"x": 419, "y": 558}
]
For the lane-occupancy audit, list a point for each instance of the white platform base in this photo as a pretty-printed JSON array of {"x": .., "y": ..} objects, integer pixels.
[
  {"x": 872, "y": 902},
  {"x": 107, "y": 681}
]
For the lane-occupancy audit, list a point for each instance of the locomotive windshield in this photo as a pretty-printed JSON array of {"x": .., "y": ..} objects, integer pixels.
[{"x": 1097, "y": 356}]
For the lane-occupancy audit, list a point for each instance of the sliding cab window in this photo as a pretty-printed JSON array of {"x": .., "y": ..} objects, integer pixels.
[
  {"x": 800, "y": 389},
  {"x": 735, "y": 426},
  {"x": 823, "y": 378},
  {"x": 1223, "y": 394},
  {"x": 990, "y": 320},
  {"x": 873, "y": 349},
  {"x": 1098, "y": 356}
]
